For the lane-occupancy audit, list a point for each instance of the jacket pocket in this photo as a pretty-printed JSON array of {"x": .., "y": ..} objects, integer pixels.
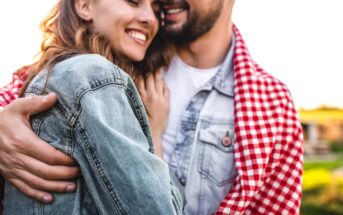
[{"x": 216, "y": 145}]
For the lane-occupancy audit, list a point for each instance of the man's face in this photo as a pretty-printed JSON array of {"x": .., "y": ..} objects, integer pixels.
[{"x": 187, "y": 20}]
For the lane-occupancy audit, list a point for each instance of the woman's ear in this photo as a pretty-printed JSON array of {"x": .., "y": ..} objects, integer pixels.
[{"x": 83, "y": 9}]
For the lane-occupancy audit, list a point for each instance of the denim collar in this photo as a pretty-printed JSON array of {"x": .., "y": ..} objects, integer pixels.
[{"x": 223, "y": 81}]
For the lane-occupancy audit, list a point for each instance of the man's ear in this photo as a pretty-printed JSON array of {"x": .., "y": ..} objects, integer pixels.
[{"x": 82, "y": 8}]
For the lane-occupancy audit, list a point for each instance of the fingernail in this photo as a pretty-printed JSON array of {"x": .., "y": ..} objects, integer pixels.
[
  {"x": 46, "y": 199},
  {"x": 70, "y": 188},
  {"x": 46, "y": 98}
]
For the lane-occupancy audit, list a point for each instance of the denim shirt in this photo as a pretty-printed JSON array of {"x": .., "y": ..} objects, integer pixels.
[
  {"x": 203, "y": 158},
  {"x": 99, "y": 119}
]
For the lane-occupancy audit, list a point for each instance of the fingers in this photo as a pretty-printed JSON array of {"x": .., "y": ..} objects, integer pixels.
[
  {"x": 49, "y": 172},
  {"x": 150, "y": 84},
  {"x": 166, "y": 92},
  {"x": 159, "y": 82},
  {"x": 38, "y": 195},
  {"x": 34, "y": 147},
  {"x": 35, "y": 182},
  {"x": 140, "y": 83},
  {"x": 33, "y": 104}
]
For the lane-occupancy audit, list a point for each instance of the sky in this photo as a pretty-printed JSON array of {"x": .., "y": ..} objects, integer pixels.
[{"x": 298, "y": 41}]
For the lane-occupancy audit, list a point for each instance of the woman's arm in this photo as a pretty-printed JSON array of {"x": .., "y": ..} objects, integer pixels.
[
  {"x": 105, "y": 128},
  {"x": 116, "y": 153}
]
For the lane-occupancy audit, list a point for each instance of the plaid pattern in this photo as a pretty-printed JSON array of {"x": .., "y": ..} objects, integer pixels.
[
  {"x": 268, "y": 149},
  {"x": 11, "y": 91}
]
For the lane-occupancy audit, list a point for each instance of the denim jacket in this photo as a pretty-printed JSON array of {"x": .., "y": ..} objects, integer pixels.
[
  {"x": 99, "y": 119},
  {"x": 203, "y": 157}
]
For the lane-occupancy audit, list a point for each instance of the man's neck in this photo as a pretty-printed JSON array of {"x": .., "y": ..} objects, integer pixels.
[{"x": 209, "y": 50}]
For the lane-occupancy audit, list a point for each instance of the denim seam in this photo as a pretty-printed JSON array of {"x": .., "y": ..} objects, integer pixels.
[
  {"x": 142, "y": 122},
  {"x": 99, "y": 167},
  {"x": 39, "y": 207},
  {"x": 117, "y": 203}
]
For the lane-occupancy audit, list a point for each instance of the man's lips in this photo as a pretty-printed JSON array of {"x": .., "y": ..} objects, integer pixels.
[{"x": 171, "y": 12}]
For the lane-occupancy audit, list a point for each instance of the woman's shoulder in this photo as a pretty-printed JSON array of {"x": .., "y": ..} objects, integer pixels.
[
  {"x": 84, "y": 60},
  {"x": 79, "y": 73},
  {"x": 88, "y": 66}
]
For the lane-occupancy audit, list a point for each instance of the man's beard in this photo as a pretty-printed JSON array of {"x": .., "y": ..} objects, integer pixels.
[{"x": 196, "y": 25}]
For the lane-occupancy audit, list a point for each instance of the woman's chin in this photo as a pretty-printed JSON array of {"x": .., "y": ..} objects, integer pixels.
[{"x": 135, "y": 57}]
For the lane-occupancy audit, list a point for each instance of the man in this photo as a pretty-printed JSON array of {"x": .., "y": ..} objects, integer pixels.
[{"x": 233, "y": 137}]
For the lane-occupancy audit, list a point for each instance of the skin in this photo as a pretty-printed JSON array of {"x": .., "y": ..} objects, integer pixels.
[
  {"x": 134, "y": 16},
  {"x": 26, "y": 161}
]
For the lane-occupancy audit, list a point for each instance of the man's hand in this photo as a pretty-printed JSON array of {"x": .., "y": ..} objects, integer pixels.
[
  {"x": 26, "y": 161},
  {"x": 155, "y": 96}
]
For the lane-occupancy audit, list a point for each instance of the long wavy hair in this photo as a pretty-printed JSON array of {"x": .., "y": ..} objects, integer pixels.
[{"x": 65, "y": 34}]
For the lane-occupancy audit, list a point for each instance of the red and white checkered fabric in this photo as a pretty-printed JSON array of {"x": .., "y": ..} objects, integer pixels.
[
  {"x": 268, "y": 148},
  {"x": 11, "y": 91}
]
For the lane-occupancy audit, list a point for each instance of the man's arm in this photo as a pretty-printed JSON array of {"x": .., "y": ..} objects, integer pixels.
[
  {"x": 27, "y": 162},
  {"x": 7, "y": 95}
]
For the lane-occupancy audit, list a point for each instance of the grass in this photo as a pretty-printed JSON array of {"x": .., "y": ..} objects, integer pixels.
[
  {"x": 329, "y": 165},
  {"x": 336, "y": 147},
  {"x": 322, "y": 191}
]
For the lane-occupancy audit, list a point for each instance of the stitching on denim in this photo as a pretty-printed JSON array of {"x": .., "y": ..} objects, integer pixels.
[
  {"x": 115, "y": 200},
  {"x": 138, "y": 113}
]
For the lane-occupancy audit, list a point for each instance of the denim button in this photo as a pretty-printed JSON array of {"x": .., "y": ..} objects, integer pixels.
[
  {"x": 183, "y": 181},
  {"x": 226, "y": 140}
]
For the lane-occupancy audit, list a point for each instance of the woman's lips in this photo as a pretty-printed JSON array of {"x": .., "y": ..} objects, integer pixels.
[{"x": 138, "y": 36}]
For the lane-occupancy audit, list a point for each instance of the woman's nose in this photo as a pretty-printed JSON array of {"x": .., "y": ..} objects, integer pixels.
[{"x": 148, "y": 15}]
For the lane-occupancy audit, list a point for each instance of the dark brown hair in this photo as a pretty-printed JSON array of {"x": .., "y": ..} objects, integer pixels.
[{"x": 65, "y": 34}]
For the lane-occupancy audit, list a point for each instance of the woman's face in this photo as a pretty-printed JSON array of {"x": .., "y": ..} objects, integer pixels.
[{"x": 130, "y": 25}]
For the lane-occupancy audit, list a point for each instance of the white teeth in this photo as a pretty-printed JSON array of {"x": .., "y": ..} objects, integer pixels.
[
  {"x": 138, "y": 35},
  {"x": 174, "y": 10}
]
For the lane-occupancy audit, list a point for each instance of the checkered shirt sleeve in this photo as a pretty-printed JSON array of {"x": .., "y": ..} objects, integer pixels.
[
  {"x": 268, "y": 153},
  {"x": 11, "y": 91}
]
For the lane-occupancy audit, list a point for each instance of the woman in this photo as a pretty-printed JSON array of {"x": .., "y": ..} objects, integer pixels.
[{"x": 99, "y": 118}]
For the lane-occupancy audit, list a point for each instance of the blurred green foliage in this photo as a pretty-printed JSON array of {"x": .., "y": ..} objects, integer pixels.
[{"x": 323, "y": 187}]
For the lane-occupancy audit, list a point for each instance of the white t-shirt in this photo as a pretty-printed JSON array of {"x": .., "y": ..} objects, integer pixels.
[{"x": 183, "y": 81}]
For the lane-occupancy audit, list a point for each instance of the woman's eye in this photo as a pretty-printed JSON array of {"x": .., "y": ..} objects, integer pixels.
[
  {"x": 134, "y": 2},
  {"x": 156, "y": 7}
]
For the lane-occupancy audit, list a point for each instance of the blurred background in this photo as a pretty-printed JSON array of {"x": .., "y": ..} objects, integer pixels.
[{"x": 298, "y": 41}]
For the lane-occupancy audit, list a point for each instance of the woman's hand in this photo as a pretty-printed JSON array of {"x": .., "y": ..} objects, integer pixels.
[
  {"x": 155, "y": 96},
  {"x": 26, "y": 161}
]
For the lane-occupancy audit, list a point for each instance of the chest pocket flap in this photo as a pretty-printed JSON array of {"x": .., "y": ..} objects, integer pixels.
[{"x": 216, "y": 160}]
